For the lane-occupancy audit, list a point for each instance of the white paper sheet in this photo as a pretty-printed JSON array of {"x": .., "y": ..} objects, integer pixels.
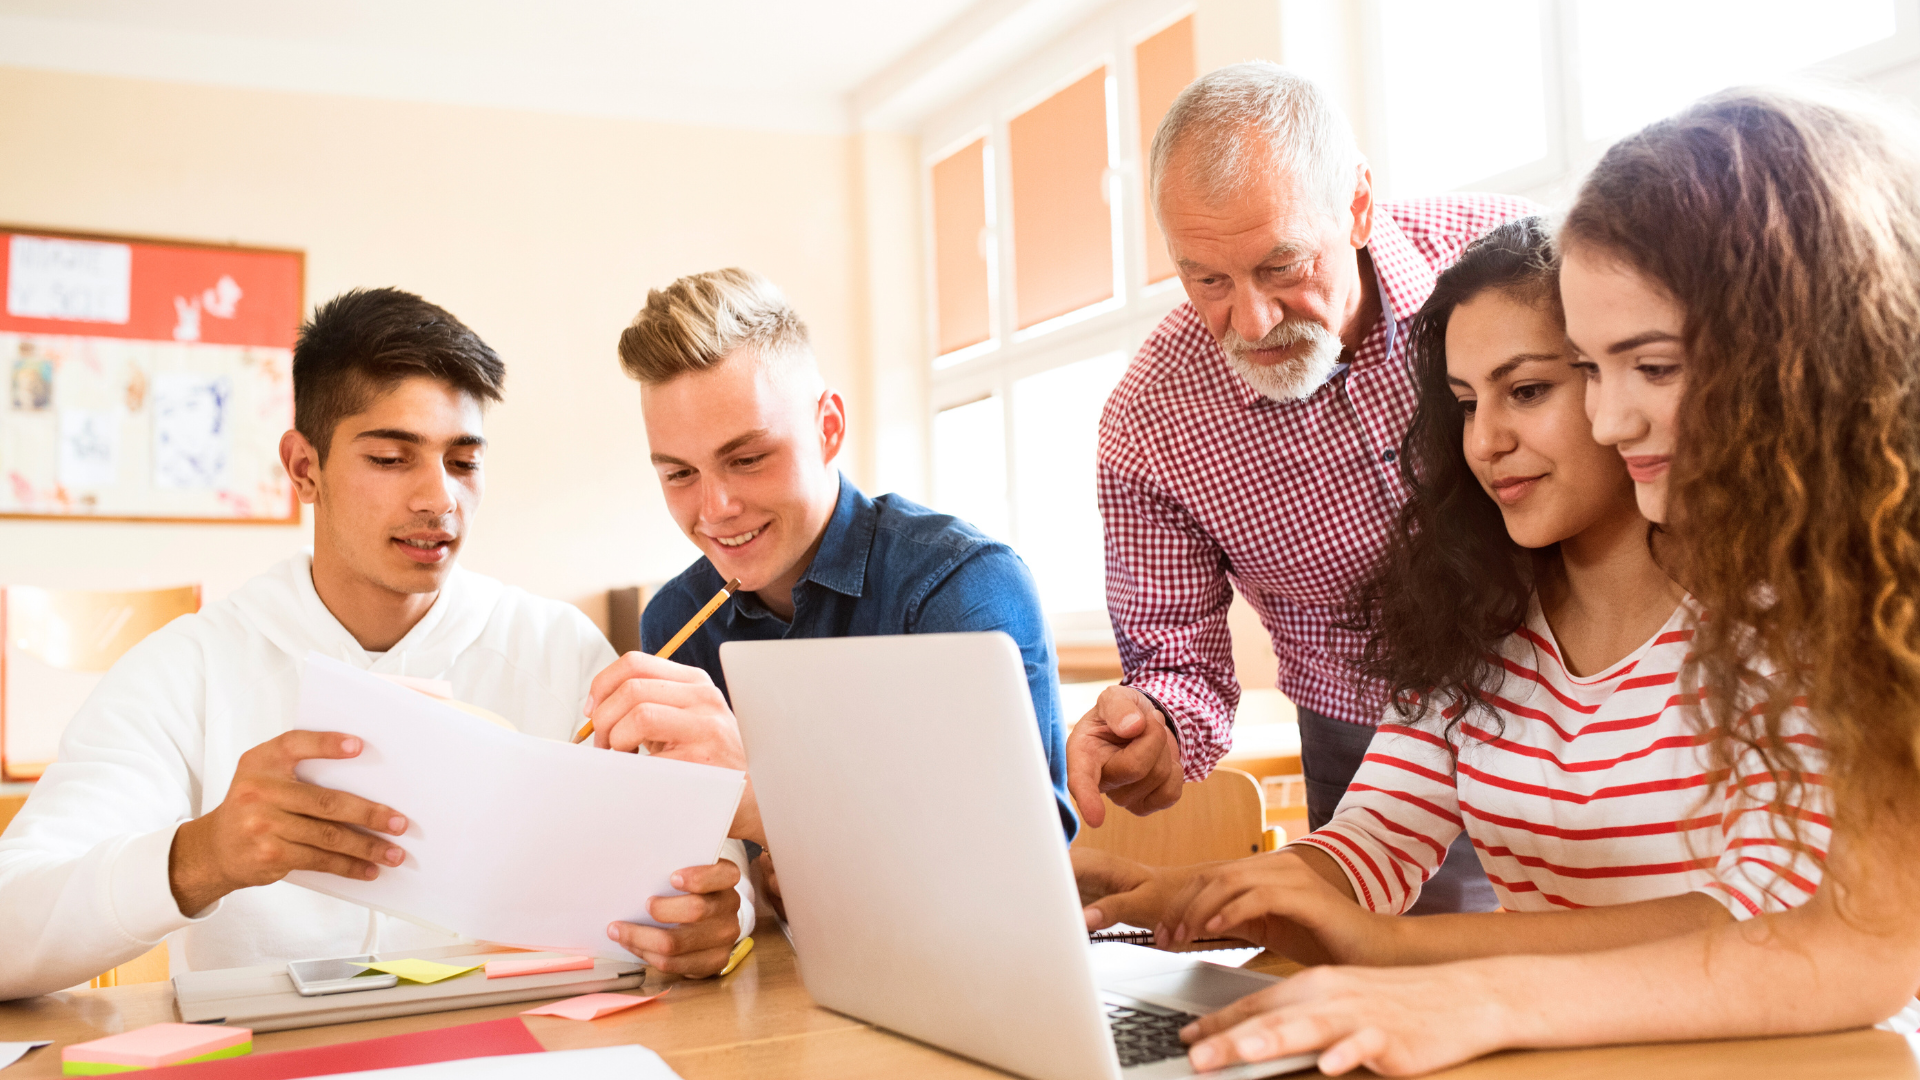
[
  {"x": 49, "y": 277},
  {"x": 192, "y": 431},
  {"x": 629, "y": 1062},
  {"x": 11, "y": 1052},
  {"x": 510, "y": 838}
]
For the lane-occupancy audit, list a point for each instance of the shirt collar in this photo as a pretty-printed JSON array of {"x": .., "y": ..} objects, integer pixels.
[
  {"x": 1404, "y": 275},
  {"x": 840, "y": 563}
]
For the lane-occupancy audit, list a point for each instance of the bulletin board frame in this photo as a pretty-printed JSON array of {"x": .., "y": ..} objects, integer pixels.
[{"x": 283, "y": 320}]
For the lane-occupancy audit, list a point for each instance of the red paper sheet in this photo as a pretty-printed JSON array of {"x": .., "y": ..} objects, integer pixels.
[{"x": 495, "y": 1038}]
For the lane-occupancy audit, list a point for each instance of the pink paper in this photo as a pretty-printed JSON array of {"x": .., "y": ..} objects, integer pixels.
[
  {"x": 540, "y": 965},
  {"x": 155, "y": 1045},
  {"x": 592, "y": 1006}
]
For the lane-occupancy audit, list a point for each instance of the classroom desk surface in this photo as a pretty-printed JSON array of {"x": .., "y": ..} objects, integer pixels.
[{"x": 759, "y": 1022}]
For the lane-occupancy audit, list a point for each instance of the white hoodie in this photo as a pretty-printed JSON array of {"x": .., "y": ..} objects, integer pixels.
[{"x": 83, "y": 867}]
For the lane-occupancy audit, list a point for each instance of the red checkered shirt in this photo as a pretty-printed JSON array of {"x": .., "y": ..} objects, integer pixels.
[{"x": 1206, "y": 485}]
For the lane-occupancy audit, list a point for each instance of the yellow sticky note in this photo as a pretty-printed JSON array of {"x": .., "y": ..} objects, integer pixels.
[{"x": 420, "y": 971}]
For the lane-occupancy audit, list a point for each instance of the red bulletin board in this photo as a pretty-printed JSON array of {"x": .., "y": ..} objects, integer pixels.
[{"x": 146, "y": 379}]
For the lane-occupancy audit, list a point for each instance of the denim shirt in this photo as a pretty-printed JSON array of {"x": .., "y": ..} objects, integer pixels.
[{"x": 884, "y": 566}]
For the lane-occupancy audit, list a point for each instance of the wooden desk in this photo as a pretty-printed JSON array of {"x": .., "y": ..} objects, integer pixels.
[{"x": 759, "y": 1022}]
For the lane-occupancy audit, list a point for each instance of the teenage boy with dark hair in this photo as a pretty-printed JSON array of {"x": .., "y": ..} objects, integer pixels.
[{"x": 173, "y": 811}]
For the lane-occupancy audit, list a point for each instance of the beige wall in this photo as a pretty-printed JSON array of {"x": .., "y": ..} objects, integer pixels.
[{"x": 543, "y": 232}]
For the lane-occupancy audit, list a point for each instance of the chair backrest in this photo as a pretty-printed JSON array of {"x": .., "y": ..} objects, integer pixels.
[
  {"x": 1221, "y": 817},
  {"x": 57, "y": 644}
]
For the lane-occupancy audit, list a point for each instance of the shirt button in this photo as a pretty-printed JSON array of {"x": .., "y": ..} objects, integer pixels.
[{"x": 1389, "y": 456}]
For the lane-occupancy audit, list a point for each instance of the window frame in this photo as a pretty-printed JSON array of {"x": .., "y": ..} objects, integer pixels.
[{"x": 1119, "y": 324}]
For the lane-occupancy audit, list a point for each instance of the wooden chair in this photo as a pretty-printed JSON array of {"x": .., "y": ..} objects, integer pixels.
[
  {"x": 57, "y": 644},
  {"x": 1221, "y": 817}
]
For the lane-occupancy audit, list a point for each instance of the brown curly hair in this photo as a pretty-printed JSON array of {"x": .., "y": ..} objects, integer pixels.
[{"x": 1786, "y": 224}]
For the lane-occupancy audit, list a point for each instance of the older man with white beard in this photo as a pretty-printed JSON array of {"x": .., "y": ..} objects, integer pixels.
[{"x": 1253, "y": 442}]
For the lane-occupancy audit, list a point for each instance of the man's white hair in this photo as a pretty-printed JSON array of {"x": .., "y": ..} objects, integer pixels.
[{"x": 1239, "y": 124}]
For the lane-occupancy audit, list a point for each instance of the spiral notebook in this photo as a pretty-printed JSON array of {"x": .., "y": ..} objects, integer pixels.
[{"x": 1134, "y": 935}]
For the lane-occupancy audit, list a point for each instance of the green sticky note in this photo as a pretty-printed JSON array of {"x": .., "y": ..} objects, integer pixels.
[{"x": 420, "y": 971}]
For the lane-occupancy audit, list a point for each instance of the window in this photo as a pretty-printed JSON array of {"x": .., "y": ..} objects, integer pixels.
[
  {"x": 970, "y": 465},
  {"x": 1163, "y": 65},
  {"x": 1056, "y": 422},
  {"x": 1048, "y": 272},
  {"x": 1059, "y": 161},
  {"x": 1432, "y": 84},
  {"x": 1515, "y": 95},
  {"x": 959, "y": 246},
  {"x": 1758, "y": 39}
]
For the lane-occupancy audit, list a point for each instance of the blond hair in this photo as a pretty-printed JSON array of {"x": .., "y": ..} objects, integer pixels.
[{"x": 694, "y": 324}]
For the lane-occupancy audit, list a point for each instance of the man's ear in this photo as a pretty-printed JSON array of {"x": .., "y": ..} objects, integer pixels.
[
  {"x": 831, "y": 420},
  {"x": 1363, "y": 208},
  {"x": 302, "y": 463}
]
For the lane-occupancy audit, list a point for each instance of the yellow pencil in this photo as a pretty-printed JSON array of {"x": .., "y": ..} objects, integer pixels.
[
  {"x": 680, "y": 638},
  {"x": 740, "y": 952}
]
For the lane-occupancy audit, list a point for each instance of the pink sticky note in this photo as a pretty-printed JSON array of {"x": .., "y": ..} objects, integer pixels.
[
  {"x": 539, "y": 965},
  {"x": 592, "y": 1006},
  {"x": 156, "y": 1045}
]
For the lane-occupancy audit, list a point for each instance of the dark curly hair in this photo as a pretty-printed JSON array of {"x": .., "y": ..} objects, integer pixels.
[{"x": 1452, "y": 584}]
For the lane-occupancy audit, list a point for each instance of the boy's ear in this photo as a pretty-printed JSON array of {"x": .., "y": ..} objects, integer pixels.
[
  {"x": 302, "y": 463},
  {"x": 832, "y": 419}
]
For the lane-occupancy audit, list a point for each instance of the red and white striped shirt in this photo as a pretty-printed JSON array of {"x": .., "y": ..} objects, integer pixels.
[
  {"x": 1204, "y": 482},
  {"x": 1589, "y": 791}
]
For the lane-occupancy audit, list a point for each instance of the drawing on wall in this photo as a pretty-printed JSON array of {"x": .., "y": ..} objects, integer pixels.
[
  {"x": 146, "y": 379},
  {"x": 191, "y": 436},
  {"x": 32, "y": 383},
  {"x": 89, "y": 448}
]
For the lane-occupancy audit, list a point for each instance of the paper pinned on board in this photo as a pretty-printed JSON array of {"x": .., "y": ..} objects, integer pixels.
[
  {"x": 510, "y": 839},
  {"x": 419, "y": 971}
]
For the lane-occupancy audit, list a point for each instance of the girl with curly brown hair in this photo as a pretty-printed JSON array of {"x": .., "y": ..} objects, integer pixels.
[{"x": 1742, "y": 282}]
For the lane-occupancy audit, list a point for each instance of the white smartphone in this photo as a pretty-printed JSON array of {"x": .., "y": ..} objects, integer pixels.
[{"x": 338, "y": 976}]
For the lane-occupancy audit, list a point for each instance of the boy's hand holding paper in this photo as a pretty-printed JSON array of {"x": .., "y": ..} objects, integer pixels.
[
  {"x": 511, "y": 838},
  {"x": 270, "y": 823},
  {"x": 701, "y": 935}
]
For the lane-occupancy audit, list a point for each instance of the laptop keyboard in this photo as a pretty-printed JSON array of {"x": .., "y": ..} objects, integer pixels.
[{"x": 1144, "y": 1037}]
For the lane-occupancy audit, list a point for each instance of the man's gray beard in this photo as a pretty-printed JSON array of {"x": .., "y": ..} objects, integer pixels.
[{"x": 1296, "y": 378}]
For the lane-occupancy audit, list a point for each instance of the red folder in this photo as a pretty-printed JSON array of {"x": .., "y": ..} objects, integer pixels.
[{"x": 495, "y": 1038}]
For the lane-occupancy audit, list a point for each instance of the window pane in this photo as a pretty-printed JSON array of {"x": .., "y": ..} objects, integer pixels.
[
  {"x": 970, "y": 465},
  {"x": 1643, "y": 59},
  {"x": 1062, "y": 228},
  {"x": 1163, "y": 65},
  {"x": 959, "y": 266},
  {"x": 1465, "y": 99},
  {"x": 1056, "y": 421}
]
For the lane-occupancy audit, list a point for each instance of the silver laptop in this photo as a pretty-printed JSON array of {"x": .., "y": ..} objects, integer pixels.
[{"x": 927, "y": 886}]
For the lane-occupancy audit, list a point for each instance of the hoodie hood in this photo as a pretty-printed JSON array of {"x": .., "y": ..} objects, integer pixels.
[{"x": 284, "y": 607}]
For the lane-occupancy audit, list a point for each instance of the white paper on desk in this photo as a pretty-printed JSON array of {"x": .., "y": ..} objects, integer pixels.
[
  {"x": 510, "y": 838},
  {"x": 11, "y": 1052},
  {"x": 629, "y": 1062}
]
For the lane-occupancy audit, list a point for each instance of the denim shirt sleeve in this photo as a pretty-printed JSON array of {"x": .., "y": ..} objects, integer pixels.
[{"x": 993, "y": 590}]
